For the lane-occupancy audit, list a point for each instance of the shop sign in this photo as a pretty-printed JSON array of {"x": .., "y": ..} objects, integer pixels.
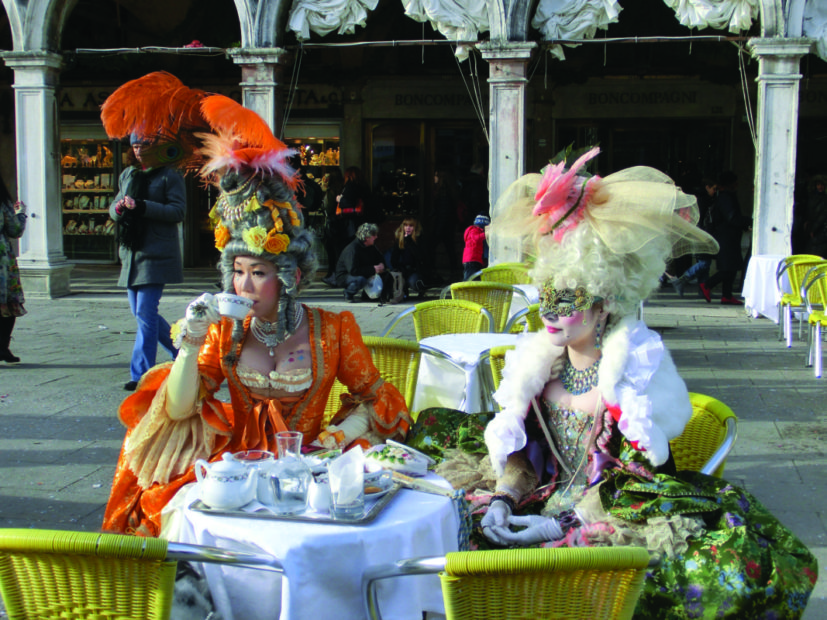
[
  {"x": 649, "y": 98},
  {"x": 90, "y": 98},
  {"x": 436, "y": 99},
  {"x": 312, "y": 96}
]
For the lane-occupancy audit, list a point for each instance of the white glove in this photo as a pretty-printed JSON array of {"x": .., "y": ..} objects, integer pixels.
[
  {"x": 201, "y": 313},
  {"x": 538, "y": 529},
  {"x": 498, "y": 514},
  {"x": 495, "y": 522}
]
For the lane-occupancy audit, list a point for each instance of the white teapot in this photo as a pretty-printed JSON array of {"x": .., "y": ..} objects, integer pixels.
[{"x": 225, "y": 484}]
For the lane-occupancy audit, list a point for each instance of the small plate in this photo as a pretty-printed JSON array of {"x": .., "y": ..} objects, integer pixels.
[{"x": 382, "y": 480}]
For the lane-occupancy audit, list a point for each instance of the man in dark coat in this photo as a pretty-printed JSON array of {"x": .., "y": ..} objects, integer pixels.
[
  {"x": 149, "y": 207},
  {"x": 359, "y": 261},
  {"x": 730, "y": 224}
]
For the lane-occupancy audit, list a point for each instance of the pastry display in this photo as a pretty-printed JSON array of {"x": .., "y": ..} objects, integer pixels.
[{"x": 88, "y": 178}]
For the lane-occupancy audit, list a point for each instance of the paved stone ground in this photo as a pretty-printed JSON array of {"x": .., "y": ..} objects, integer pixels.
[{"x": 60, "y": 434}]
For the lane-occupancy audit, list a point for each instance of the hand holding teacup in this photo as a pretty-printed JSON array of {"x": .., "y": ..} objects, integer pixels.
[{"x": 201, "y": 313}]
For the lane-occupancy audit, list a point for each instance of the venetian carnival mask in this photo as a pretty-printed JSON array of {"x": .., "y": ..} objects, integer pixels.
[{"x": 565, "y": 302}]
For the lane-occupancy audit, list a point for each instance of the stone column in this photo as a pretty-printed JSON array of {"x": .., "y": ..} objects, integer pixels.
[
  {"x": 507, "y": 102},
  {"x": 44, "y": 270},
  {"x": 261, "y": 70},
  {"x": 777, "y": 131}
]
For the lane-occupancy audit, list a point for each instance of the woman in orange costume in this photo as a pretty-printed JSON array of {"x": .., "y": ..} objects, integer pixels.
[{"x": 280, "y": 361}]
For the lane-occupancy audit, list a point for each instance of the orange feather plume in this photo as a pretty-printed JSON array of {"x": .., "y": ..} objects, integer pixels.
[
  {"x": 245, "y": 127},
  {"x": 156, "y": 103}
]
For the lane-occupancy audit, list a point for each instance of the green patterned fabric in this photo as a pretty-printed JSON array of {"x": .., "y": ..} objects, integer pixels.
[
  {"x": 437, "y": 429},
  {"x": 744, "y": 564}
]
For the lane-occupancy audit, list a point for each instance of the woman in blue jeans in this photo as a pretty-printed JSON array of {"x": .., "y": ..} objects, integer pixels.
[{"x": 150, "y": 204}]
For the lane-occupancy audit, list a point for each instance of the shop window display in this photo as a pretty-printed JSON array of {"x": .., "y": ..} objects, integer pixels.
[{"x": 89, "y": 176}]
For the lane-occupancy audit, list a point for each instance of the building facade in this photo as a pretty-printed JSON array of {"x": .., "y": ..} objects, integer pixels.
[{"x": 405, "y": 90}]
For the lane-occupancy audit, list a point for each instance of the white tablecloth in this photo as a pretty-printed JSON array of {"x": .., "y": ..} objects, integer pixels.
[
  {"x": 323, "y": 562},
  {"x": 760, "y": 292},
  {"x": 442, "y": 384}
]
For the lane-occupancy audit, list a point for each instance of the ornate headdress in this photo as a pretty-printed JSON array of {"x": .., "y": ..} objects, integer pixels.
[
  {"x": 611, "y": 236},
  {"x": 256, "y": 213}
]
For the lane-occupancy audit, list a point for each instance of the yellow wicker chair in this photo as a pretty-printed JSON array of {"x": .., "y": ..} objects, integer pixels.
[
  {"x": 708, "y": 437},
  {"x": 396, "y": 360},
  {"x": 814, "y": 294},
  {"x": 445, "y": 316},
  {"x": 795, "y": 267},
  {"x": 493, "y": 296},
  {"x": 495, "y": 357},
  {"x": 64, "y": 574},
  {"x": 507, "y": 273},
  {"x": 525, "y": 320},
  {"x": 542, "y": 584}
]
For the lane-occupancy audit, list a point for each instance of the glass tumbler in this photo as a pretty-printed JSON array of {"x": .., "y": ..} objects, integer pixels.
[{"x": 290, "y": 476}]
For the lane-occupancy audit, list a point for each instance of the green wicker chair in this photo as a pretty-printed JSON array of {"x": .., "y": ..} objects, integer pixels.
[
  {"x": 493, "y": 296},
  {"x": 542, "y": 584},
  {"x": 445, "y": 316},
  {"x": 525, "y": 320},
  {"x": 507, "y": 273},
  {"x": 396, "y": 360},
  {"x": 708, "y": 437},
  {"x": 795, "y": 267},
  {"x": 48, "y": 574}
]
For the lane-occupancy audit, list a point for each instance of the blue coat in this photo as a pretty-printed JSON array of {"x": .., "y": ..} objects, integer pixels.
[{"x": 157, "y": 258}]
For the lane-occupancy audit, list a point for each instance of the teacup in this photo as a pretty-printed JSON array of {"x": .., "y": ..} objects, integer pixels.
[{"x": 233, "y": 306}]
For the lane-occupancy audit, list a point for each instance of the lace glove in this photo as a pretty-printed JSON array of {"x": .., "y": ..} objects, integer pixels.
[
  {"x": 200, "y": 314},
  {"x": 538, "y": 529},
  {"x": 352, "y": 427}
]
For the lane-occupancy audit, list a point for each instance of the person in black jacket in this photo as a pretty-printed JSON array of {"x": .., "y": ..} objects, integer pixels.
[
  {"x": 359, "y": 261},
  {"x": 730, "y": 223},
  {"x": 407, "y": 255}
]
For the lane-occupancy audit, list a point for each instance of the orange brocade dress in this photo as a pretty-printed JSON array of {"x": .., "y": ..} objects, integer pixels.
[{"x": 158, "y": 454}]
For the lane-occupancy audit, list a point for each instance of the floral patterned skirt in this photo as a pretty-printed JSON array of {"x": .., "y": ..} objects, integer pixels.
[{"x": 742, "y": 563}]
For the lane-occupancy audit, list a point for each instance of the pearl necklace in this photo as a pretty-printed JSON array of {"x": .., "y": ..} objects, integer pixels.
[
  {"x": 577, "y": 382},
  {"x": 266, "y": 333}
]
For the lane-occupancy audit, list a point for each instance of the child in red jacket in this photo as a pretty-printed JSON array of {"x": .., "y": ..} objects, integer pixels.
[{"x": 475, "y": 254}]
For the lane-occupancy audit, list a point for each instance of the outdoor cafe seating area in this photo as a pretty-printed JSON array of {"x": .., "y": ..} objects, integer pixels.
[{"x": 405, "y": 553}]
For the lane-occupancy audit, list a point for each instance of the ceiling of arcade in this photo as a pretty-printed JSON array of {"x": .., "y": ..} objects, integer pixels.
[{"x": 113, "y": 24}]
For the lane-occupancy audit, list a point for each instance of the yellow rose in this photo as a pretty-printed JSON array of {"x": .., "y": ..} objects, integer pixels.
[
  {"x": 222, "y": 237},
  {"x": 254, "y": 238},
  {"x": 276, "y": 243}
]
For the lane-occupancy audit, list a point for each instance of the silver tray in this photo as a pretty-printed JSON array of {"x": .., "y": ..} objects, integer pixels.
[{"x": 372, "y": 508}]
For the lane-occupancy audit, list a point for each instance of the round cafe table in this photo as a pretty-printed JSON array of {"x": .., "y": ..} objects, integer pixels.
[{"x": 323, "y": 562}]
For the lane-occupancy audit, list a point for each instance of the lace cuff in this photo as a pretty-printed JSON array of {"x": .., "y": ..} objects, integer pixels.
[{"x": 159, "y": 448}]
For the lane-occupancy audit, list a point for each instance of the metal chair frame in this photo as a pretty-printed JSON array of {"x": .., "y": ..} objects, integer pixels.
[
  {"x": 44, "y": 573},
  {"x": 727, "y": 423},
  {"x": 795, "y": 265},
  {"x": 472, "y": 291},
  {"x": 814, "y": 294},
  {"x": 447, "y": 304},
  {"x": 623, "y": 570}
]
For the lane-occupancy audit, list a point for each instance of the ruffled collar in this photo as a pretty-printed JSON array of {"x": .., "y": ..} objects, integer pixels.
[{"x": 632, "y": 356}]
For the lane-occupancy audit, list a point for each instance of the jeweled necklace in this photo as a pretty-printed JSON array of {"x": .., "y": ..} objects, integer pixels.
[
  {"x": 577, "y": 382},
  {"x": 266, "y": 332}
]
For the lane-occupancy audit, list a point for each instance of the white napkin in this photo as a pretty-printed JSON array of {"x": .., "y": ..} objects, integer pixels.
[{"x": 347, "y": 475}]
